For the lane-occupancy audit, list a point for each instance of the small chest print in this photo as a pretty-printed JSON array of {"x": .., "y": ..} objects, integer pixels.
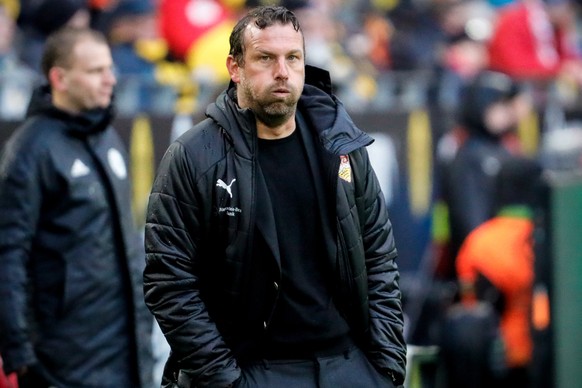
[{"x": 230, "y": 211}]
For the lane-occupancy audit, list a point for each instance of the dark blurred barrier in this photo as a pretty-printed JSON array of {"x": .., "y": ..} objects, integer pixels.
[{"x": 563, "y": 265}]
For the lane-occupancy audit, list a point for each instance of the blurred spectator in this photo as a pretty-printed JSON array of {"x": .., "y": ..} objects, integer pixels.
[
  {"x": 353, "y": 41},
  {"x": 137, "y": 49},
  {"x": 418, "y": 32},
  {"x": 131, "y": 22},
  {"x": 378, "y": 30},
  {"x": 39, "y": 18},
  {"x": 463, "y": 53},
  {"x": 535, "y": 39},
  {"x": 324, "y": 47},
  {"x": 462, "y": 57},
  {"x": 16, "y": 79},
  {"x": 492, "y": 107},
  {"x": 322, "y": 39},
  {"x": 496, "y": 265}
]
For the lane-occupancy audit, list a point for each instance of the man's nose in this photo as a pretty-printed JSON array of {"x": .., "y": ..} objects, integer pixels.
[
  {"x": 281, "y": 69},
  {"x": 110, "y": 77}
]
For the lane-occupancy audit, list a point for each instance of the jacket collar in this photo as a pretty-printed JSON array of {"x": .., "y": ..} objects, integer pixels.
[
  {"x": 321, "y": 109},
  {"x": 83, "y": 124}
]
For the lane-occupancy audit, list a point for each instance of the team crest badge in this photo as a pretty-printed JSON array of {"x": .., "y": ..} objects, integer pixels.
[
  {"x": 117, "y": 163},
  {"x": 345, "y": 170}
]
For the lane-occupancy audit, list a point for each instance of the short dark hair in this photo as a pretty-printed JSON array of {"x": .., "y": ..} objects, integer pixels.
[
  {"x": 262, "y": 17},
  {"x": 59, "y": 46}
]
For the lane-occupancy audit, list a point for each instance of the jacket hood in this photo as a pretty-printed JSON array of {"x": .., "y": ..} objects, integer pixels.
[
  {"x": 488, "y": 88},
  {"x": 336, "y": 129},
  {"x": 323, "y": 111},
  {"x": 83, "y": 124}
]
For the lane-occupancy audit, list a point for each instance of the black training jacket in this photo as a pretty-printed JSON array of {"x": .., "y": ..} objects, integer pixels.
[
  {"x": 70, "y": 252},
  {"x": 205, "y": 288}
]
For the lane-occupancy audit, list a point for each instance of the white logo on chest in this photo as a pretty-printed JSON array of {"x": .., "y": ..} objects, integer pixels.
[
  {"x": 116, "y": 163},
  {"x": 79, "y": 169},
  {"x": 220, "y": 183}
]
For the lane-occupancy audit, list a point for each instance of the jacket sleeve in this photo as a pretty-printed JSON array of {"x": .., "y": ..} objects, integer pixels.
[
  {"x": 386, "y": 348},
  {"x": 172, "y": 276},
  {"x": 20, "y": 203}
]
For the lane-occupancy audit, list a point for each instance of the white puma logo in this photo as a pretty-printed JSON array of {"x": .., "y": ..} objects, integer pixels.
[{"x": 220, "y": 183}]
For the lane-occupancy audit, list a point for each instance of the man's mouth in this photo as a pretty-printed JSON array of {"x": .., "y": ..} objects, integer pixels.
[{"x": 281, "y": 90}]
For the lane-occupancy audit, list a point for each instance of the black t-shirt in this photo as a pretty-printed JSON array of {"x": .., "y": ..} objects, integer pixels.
[{"x": 305, "y": 316}]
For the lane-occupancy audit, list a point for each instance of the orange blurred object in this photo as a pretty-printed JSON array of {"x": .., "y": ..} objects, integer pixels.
[{"x": 541, "y": 309}]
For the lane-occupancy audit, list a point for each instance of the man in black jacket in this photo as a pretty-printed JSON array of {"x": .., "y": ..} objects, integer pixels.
[
  {"x": 71, "y": 291},
  {"x": 270, "y": 254},
  {"x": 493, "y": 105}
]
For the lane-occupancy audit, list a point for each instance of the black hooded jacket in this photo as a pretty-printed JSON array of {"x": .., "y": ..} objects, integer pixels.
[
  {"x": 70, "y": 252},
  {"x": 203, "y": 284},
  {"x": 469, "y": 180}
]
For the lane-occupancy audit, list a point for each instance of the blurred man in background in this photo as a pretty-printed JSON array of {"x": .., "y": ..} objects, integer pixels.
[
  {"x": 496, "y": 265},
  {"x": 493, "y": 104},
  {"x": 71, "y": 311}
]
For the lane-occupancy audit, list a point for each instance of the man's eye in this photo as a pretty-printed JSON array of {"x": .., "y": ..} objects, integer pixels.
[{"x": 294, "y": 58}]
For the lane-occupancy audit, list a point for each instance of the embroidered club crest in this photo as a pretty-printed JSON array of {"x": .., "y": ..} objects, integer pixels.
[{"x": 345, "y": 170}]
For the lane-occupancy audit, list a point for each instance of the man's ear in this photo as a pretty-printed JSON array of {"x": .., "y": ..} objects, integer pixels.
[
  {"x": 233, "y": 69},
  {"x": 57, "y": 78}
]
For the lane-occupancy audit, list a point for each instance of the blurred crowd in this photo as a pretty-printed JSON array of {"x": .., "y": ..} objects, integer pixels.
[{"x": 383, "y": 54}]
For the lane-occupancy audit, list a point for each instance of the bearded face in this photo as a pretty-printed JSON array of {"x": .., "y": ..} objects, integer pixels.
[
  {"x": 271, "y": 79},
  {"x": 272, "y": 104}
]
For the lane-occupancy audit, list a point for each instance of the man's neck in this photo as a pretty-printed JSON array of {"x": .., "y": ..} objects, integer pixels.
[
  {"x": 279, "y": 132},
  {"x": 63, "y": 104}
]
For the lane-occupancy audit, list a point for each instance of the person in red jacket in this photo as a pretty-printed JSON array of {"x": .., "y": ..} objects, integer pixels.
[
  {"x": 497, "y": 258},
  {"x": 535, "y": 40}
]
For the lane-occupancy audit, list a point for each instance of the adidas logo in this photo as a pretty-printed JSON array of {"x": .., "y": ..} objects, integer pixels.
[{"x": 79, "y": 169}]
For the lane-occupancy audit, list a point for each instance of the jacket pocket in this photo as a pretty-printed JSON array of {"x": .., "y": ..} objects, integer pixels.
[{"x": 183, "y": 380}]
